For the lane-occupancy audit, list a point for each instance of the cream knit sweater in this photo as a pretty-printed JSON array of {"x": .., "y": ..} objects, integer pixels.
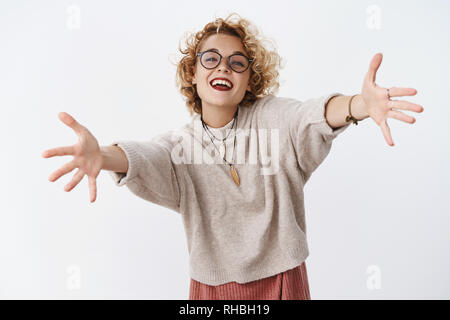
[{"x": 237, "y": 233}]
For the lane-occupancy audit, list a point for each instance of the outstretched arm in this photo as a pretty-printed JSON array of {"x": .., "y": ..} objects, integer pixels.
[{"x": 373, "y": 102}]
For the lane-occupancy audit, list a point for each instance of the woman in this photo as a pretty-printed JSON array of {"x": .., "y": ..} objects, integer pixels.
[{"x": 236, "y": 171}]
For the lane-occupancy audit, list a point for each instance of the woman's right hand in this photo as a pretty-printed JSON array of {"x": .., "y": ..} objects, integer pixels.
[{"x": 86, "y": 154}]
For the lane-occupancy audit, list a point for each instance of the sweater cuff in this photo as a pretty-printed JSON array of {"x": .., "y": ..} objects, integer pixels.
[
  {"x": 318, "y": 118},
  {"x": 133, "y": 158}
]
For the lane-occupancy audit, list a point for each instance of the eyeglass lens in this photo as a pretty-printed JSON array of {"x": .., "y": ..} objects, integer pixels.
[{"x": 211, "y": 59}]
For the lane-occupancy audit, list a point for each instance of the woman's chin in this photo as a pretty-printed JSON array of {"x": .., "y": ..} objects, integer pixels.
[{"x": 221, "y": 101}]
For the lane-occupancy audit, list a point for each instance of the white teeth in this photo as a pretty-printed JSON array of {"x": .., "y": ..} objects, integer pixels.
[{"x": 224, "y": 82}]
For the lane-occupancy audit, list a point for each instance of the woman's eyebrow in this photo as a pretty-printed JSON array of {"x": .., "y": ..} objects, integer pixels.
[{"x": 219, "y": 51}]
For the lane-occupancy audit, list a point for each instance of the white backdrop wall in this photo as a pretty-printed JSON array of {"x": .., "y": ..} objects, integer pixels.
[{"x": 372, "y": 211}]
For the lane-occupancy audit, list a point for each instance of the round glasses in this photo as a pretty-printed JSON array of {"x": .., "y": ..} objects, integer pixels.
[{"x": 237, "y": 62}]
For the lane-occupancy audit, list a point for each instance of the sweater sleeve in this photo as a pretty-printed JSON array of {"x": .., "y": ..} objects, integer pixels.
[
  {"x": 151, "y": 173},
  {"x": 311, "y": 135}
]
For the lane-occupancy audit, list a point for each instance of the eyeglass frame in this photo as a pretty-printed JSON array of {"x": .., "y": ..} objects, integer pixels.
[{"x": 200, "y": 54}]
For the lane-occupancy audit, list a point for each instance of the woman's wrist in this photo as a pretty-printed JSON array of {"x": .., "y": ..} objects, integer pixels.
[
  {"x": 114, "y": 159},
  {"x": 358, "y": 108}
]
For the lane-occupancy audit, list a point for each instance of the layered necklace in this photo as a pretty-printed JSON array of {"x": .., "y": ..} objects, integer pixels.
[{"x": 233, "y": 171}]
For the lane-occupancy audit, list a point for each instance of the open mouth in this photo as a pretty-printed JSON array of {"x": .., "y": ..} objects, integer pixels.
[{"x": 222, "y": 85}]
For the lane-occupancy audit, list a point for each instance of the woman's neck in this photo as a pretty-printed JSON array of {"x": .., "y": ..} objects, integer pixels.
[{"x": 217, "y": 117}]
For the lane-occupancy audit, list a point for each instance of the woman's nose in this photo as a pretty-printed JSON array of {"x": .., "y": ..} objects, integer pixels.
[{"x": 224, "y": 65}]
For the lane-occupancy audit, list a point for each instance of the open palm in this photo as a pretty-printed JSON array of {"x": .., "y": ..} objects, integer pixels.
[
  {"x": 378, "y": 103},
  {"x": 86, "y": 157}
]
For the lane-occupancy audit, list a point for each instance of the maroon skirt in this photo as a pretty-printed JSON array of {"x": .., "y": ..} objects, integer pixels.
[{"x": 288, "y": 285}]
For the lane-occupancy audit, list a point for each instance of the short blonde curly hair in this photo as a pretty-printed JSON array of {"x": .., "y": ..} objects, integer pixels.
[{"x": 264, "y": 69}]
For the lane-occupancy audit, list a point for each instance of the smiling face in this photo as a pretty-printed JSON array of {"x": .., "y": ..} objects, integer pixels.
[{"x": 226, "y": 45}]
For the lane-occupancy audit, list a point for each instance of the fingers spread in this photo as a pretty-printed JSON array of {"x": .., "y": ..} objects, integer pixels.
[
  {"x": 405, "y": 105},
  {"x": 60, "y": 151},
  {"x": 398, "y": 92},
  {"x": 75, "y": 180},
  {"x": 374, "y": 65},
  {"x": 400, "y": 116},
  {"x": 386, "y": 133},
  {"x": 62, "y": 171},
  {"x": 92, "y": 188},
  {"x": 70, "y": 121}
]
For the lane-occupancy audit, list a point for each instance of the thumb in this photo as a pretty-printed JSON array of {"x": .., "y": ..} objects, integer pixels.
[{"x": 373, "y": 67}]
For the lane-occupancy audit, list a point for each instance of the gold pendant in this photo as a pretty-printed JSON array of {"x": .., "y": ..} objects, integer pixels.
[{"x": 234, "y": 174}]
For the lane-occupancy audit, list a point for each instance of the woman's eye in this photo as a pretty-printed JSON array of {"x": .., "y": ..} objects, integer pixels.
[
  {"x": 238, "y": 63},
  {"x": 211, "y": 59}
]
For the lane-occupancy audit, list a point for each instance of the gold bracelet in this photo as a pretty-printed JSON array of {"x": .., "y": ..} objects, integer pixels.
[{"x": 350, "y": 117}]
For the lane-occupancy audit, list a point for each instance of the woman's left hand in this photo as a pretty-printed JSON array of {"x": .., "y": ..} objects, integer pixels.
[{"x": 378, "y": 104}]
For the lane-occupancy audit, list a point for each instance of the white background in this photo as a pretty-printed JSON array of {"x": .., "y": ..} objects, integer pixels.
[{"x": 368, "y": 204}]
